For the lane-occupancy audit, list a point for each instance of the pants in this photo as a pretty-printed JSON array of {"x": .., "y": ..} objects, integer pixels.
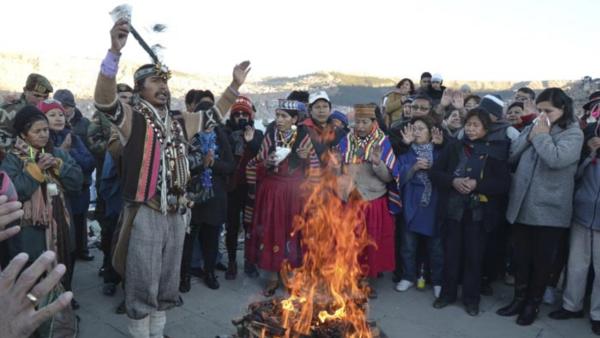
[
  {"x": 464, "y": 243},
  {"x": 153, "y": 262},
  {"x": 535, "y": 250},
  {"x": 584, "y": 251},
  {"x": 399, "y": 271},
  {"x": 493, "y": 257},
  {"x": 235, "y": 206},
  {"x": 81, "y": 234},
  {"x": 560, "y": 261},
  {"x": 410, "y": 241},
  {"x": 208, "y": 237},
  {"x": 109, "y": 225}
]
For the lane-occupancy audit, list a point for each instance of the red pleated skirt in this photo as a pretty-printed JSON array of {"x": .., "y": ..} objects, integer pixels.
[
  {"x": 380, "y": 228},
  {"x": 278, "y": 201}
]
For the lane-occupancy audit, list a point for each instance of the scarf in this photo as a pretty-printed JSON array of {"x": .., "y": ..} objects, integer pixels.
[
  {"x": 204, "y": 143},
  {"x": 356, "y": 150},
  {"x": 424, "y": 151},
  {"x": 174, "y": 172},
  {"x": 43, "y": 209},
  {"x": 360, "y": 148}
]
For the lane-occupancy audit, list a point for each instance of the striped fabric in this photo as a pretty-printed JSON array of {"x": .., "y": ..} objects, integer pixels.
[
  {"x": 256, "y": 168},
  {"x": 351, "y": 155}
]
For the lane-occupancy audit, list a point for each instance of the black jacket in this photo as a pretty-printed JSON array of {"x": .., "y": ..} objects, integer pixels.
[
  {"x": 494, "y": 184},
  {"x": 214, "y": 210}
]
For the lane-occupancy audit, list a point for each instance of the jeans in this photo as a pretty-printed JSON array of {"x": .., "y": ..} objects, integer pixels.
[{"x": 410, "y": 242}]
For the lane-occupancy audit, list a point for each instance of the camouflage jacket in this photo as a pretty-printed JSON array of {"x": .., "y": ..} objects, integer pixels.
[{"x": 7, "y": 117}]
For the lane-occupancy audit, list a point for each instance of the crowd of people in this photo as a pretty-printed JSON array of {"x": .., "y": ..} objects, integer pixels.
[{"x": 459, "y": 190}]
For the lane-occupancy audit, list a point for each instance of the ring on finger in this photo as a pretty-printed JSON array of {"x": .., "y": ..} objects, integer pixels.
[{"x": 32, "y": 298}]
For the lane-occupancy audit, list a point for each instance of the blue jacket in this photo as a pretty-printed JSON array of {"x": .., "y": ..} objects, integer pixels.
[
  {"x": 417, "y": 218},
  {"x": 79, "y": 201},
  {"x": 110, "y": 187}
]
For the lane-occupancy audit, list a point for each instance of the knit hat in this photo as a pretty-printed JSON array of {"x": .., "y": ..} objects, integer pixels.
[
  {"x": 49, "y": 104},
  {"x": 493, "y": 105},
  {"x": 437, "y": 77},
  {"x": 364, "y": 111},
  {"x": 337, "y": 115},
  {"x": 25, "y": 116},
  {"x": 65, "y": 97},
  {"x": 243, "y": 104},
  {"x": 320, "y": 95},
  {"x": 593, "y": 100},
  {"x": 291, "y": 107},
  {"x": 38, "y": 83}
]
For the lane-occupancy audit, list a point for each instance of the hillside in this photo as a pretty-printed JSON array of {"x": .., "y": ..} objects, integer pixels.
[{"x": 79, "y": 75}]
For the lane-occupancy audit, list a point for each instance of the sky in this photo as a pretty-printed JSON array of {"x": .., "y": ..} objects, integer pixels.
[{"x": 460, "y": 39}]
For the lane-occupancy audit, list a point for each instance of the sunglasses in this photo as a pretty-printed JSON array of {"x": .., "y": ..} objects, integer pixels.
[{"x": 420, "y": 108}]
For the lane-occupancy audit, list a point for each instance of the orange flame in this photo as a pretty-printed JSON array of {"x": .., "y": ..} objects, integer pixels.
[{"x": 327, "y": 286}]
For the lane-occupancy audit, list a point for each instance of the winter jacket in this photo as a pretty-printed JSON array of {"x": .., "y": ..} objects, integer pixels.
[{"x": 541, "y": 192}]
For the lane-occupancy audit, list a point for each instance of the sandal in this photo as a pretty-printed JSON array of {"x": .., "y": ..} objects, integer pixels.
[{"x": 271, "y": 288}]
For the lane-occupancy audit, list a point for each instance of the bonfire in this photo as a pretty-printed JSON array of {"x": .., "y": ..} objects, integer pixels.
[{"x": 327, "y": 295}]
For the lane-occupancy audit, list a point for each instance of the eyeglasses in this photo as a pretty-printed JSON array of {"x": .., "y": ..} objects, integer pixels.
[{"x": 420, "y": 108}]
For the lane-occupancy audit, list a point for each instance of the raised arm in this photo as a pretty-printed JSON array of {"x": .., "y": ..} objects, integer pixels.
[
  {"x": 105, "y": 94},
  {"x": 193, "y": 121}
]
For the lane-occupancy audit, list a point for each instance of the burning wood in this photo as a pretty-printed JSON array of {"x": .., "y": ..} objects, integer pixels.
[
  {"x": 264, "y": 319},
  {"x": 327, "y": 298}
]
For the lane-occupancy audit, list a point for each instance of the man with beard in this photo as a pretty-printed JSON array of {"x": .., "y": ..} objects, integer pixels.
[
  {"x": 37, "y": 88},
  {"x": 155, "y": 174},
  {"x": 245, "y": 142}
]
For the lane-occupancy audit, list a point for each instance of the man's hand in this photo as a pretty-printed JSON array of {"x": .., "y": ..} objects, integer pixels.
[
  {"x": 9, "y": 212},
  {"x": 118, "y": 36},
  {"x": 19, "y": 317},
  {"x": 239, "y": 74}
]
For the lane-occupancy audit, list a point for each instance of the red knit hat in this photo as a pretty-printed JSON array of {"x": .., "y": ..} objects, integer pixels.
[
  {"x": 49, "y": 104},
  {"x": 244, "y": 104}
]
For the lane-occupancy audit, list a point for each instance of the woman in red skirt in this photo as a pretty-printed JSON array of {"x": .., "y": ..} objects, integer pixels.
[
  {"x": 370, "y": 170},
  {"x": 284, "y": 162}
]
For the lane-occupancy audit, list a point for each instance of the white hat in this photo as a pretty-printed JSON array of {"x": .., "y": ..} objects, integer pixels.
[
  {"x": 320, "y": 95},
  {"x": 437, "y": 77}
]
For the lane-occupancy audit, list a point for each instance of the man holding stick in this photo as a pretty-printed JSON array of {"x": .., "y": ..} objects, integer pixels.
[{"x": 154, "y": 173}]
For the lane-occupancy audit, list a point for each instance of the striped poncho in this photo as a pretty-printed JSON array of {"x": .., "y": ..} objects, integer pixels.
[{"x": 356, "y": 151}]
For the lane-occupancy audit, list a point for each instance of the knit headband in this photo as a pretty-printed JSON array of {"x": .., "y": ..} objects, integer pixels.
[{"x": 157, "y": 70}]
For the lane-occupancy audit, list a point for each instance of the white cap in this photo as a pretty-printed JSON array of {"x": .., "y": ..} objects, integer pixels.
[
  {"x": 437, "y": 77},
  {"x": 320, "y": 95}
]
